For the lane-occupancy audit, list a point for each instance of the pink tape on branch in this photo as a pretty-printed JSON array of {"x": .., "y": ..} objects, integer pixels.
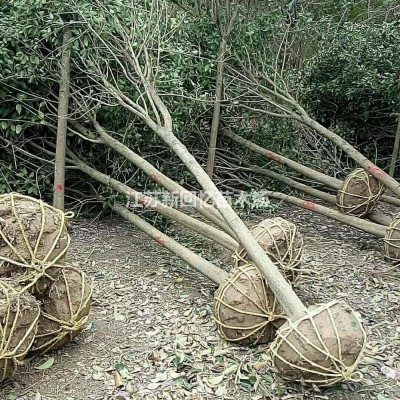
[
  {"x": 309, "y": 205},
  {"x": 155, "y": 178},
  {"x": 273, "y": 157},
  {"x": 375, "y": 171},
  {"x": 160, "y": 240},
  {"x": 60, "y": 188}
]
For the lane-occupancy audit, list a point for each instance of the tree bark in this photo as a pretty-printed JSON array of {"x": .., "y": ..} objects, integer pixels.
[
  {"x": 59, "y": 172},
  {"x": 209, "y": 270},
  {"x": 200, "y": 227},
  {"x": 395, "y": 150},
  {"x": 302, "y": 169},
  {"x": 158, "y": 177},
  {"x": 361, "y": 160},
  {"x": 319, "y": 194},
  {"x": 217, "y": 108},
  {"x": 365, "y": 226},
  {"x": 278, "y": 284}
]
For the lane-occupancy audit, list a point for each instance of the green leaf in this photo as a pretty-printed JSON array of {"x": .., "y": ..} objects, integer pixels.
[
  {"x": 119, "y": 367},
  {"x": 280, "y": 392},
  {"x": 382, "y": 397},
  {"x": 28, "y": 360},
  {"x": 46, "y": 365},
  {"x": 18, "y": 129},
  {"x": 178, "y": 360},
  {"x": 18, "y": 108}
]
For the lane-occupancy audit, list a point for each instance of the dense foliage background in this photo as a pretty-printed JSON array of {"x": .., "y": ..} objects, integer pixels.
[{"x": 343, "y": 65}]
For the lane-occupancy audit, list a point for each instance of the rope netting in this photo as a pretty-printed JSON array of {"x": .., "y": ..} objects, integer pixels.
[
  {"x": 359, "y": 194},
  {"x": 33, "y": 236},
  {"x": 20, "y": 313},
  {"x": 65, "y": 309},
  {"x": 33, "y": 246},
  {"x": 245, "y": 309},
  {"x": 391, "y": 247},
  {"x": 324, "y": 347},
  {"x": 281, "y": 241}
]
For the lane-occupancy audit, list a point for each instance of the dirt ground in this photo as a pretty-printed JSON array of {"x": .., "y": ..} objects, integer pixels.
[{"x": 151, "y": 321}]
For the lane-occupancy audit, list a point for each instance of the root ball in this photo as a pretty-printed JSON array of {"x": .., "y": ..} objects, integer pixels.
[
  {"x": 245, "y": 309},
  {"x": 359, "y": 193},
  {"x": 391, "y": 248},
  {"x": 65, "y": 308},
  {"x": 322, "y": 348},
  {"x": 32, "y": 233},
  {"x": 19, "y": 314},
  {"x": 281, "y": 241}
]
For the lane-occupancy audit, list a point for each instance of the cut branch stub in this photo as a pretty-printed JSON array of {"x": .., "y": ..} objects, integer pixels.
[
  {"x": 323, "y": 348},
  {"x": 245, "y": 309},
  {"x": 391, "y": 248},
  {"x": 19, "y": 314},
  {"x": 66, "y": 302},
  {"x": 281, "y": 241},
  {"x": 359, "y": 193},
  {"x": 33, "y": 235}
]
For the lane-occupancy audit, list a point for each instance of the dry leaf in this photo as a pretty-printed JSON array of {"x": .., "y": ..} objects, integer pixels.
[
  {"x": 117, "y": 379},
  {"x": 390, "y": 373},
  {"x": 260, "y": 365}
]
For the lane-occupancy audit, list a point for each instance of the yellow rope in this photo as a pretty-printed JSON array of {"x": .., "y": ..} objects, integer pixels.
[
  {"x": 74, "y": 323},
  {"x": 363, "y": 204},
  {"x": 12, "y": 303},
  {"x": 290, "y": 261},
  {"x": 36, "y": 264},
  {"x": 337, "y": 371},
  {"x": 260, "y": 300},
  {"x": 391, "y": 246}
]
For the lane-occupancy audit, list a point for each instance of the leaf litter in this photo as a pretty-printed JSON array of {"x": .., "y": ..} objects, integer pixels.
[{"x": 151, "y": 334}]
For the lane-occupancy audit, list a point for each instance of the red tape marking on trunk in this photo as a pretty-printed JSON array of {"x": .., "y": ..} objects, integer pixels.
[
  {"x": 273, "y": 157},
  {"x": 375, "y": 171},
  {"x": 144, "y": 201},
  {"x": 160, "y": 240},
  {"x": 155, "y": 178},
  {"x": 60, "y": 188},
  {"x": 309, "y": 205}
]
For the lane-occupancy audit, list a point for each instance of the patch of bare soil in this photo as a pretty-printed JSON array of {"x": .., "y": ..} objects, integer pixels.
[{"x": 151, "y": 334}]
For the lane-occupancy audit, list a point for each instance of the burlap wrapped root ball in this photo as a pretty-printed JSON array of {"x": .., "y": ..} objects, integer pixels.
[
  {"x": 19, "y": 315},
  {"x": 391, "y": 248},
  {"x": 32, "y": 234},
  {"x": 323, "y": 348},
  {"x": 359, "y": 193},
  {"x": 66, "y": 303},
  {"x": 245, "y": 309},
  {"x": 281, "y": 241}
]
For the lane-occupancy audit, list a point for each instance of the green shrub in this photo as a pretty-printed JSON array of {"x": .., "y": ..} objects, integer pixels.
[{"x": 353, "y": 82}]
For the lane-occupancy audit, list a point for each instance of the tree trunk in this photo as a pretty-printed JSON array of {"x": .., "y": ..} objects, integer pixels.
[
  {"x": 395, "y": 150},
  {"x": 365, "y": 226},
  {"x": 319, "y": 194},
  {"x": 217, "y": 108},
  {"x": 200, "y": 227},
  {"x": 302, "y": 169},
  {"x": 278, "y": 284},
  {"x": 59, "y": 172},
  {"x": 215, "y": 274},
  {"x": 158, "y": 177},
  {"x": 370, "y": 167}
]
